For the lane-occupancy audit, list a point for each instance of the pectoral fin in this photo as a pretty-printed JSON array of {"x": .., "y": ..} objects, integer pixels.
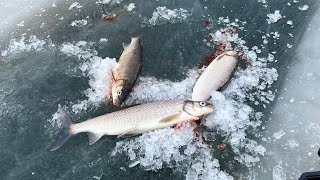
[
  {"x": 94, "y": 137},
  {"x": 114, "y": 70},
  {"x": 170, "y": 118},
  {"x": 130, "y": 133}
]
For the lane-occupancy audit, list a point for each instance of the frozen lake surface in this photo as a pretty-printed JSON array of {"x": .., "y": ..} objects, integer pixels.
[{"x": 61, "y": 52}]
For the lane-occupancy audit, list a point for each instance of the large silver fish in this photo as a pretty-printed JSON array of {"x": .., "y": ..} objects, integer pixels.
[
  {"x": 126, "y": 71},
  {"x": 215, "y": 76},
  {"x": 134, "y": 120}
]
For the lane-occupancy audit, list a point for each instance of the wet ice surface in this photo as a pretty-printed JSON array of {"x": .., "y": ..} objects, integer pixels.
[
  {"x": 292, "y": 129},
  {"x": 72, "y": 68}
]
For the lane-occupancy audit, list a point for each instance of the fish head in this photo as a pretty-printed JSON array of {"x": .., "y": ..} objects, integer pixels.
[
  {"x": 198, "y": 108},
  {"x": 119, "y": 92}
]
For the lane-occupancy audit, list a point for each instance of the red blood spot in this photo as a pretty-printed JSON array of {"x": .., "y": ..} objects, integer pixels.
[
  {"x": 206, "y": 23},
  {"x": 198, "y": 133},
  {"x": 109, "y": 18},
  {"x": 200, "y": 117},
  {"x": 178, "y": 126},
  {"x": 221, "y": 147}
]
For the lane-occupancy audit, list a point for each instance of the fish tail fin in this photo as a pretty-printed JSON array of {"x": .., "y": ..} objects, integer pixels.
[{"x": 65, "y": 133}]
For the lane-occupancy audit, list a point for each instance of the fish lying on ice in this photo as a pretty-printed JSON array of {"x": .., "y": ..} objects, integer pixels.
[
  {"x": 134, "y": 120},
  {"x": 126, "y": 71},
  {"x": 215, "y": 76}
]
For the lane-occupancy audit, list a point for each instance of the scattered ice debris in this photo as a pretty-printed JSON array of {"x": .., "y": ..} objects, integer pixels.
[
  {"x": 292, "y": 143},
  {"x": 291, "y": 100},
  {"x": 278, "y": 173},
  {"x": 54, "y": 4},
  {"x": 304, "y": 8},
  {"x": 279, "y": 134},
  {"x": 103, "y": 40},
  {"x": 276, "y": 35},
  {"x": 81, "y": 22},
  {"x": 262, "y": 1},
  {"x": 97, "y": 177},
  {"x": 273, "y": 18},
  {"x": 265, "y": 40},
  {"x": 74, "y": 5},
  {"x": 81, "y": 105},
  {"x": 96, "y": 68},
  {"x": 130, "y": 7},
  {"x": 110, "y": 2},
  {"x": 4, "y": 53},
  {"x": 21, "y": 24},
  {"x": 24, "y": 45},
  {"x": 226, "y": 22},
  {"x": 289, "y": 22},
  {"x": 163, "y": 15}
]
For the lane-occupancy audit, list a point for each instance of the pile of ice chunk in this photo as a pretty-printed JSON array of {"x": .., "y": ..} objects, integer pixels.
[
  {"x": 162, "y": 89},
  {"x": 171, "y": 148},
  {"x": 96, "y": 68}
]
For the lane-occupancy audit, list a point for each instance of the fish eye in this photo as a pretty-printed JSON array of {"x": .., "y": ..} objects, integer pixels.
[
  {"x": 119, "y": 93},
  {"x": 202, "y": 104}
]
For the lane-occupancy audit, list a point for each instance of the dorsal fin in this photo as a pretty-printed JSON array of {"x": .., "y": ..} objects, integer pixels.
[{"x": 94, "y": 137}]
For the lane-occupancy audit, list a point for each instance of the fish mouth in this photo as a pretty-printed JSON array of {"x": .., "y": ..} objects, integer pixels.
[
  {"x": 210, "y": 108},
  {"x": 116, "y": 102}
]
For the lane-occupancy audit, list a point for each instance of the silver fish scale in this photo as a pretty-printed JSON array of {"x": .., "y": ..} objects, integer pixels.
[
  {"x": 214, "y": 77},
  {"x": 130, "y": 62},
  {"x": 121, "y": 121}
]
